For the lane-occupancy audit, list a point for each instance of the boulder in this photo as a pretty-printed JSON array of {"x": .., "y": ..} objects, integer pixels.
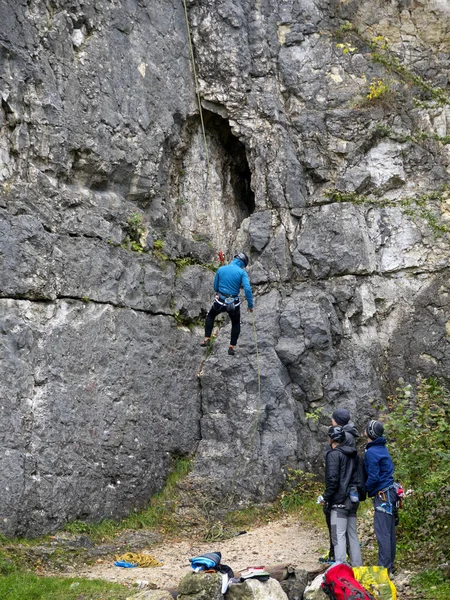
[
  {"x": 294, "y": 582},
  {"x": 201, "y": 586},
  {"x": 314, "y": 590},
  {"x": 252, "y": 589},
  {"x": 152, "y": 595}
]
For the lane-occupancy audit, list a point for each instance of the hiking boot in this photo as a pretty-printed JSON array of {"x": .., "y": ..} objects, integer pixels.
[
  {"x": 205, "y": 342},
  {"x": 231, "y": 351}
]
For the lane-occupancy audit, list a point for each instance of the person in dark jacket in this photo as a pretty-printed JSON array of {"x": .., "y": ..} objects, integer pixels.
[
  {"x": 227, "y": 284},
  {"x": 341, "y": 418},
  {"x": 340, "y": 477},
  {"x": 380, "y": 487}
]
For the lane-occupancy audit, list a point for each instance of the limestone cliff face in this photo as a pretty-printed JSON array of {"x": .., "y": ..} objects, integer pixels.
[{"x": 326, "y": 125}]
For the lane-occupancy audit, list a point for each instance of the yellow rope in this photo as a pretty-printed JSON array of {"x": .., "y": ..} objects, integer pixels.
[
  {"x": 141, "y": 560},
  {"x": 199, "y": 101}
]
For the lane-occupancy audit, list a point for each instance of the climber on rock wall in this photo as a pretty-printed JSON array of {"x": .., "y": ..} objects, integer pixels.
[{"x": 227, "y": 284}]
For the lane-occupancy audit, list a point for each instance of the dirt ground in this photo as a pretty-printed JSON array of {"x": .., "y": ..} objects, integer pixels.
[{"x": 280, "y": 542}]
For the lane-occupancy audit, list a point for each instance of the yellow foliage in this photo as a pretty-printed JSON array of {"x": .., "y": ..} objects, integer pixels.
[
  {"x": 346, "y": 48},
  {"x": 377, "y": 89}
]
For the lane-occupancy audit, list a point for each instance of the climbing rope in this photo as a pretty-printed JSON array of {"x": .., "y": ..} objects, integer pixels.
[
  {"x": 208, "y": 170},
  {"x": 202, "y": 121},
  {"x": 257, "y": 361},
  {"x": 139, "y": 559}
]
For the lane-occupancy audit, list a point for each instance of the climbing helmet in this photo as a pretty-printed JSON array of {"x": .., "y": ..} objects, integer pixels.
[{"x": 242, "y": 256}]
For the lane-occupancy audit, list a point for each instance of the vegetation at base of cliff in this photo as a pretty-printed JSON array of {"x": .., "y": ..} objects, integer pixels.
[
  {"x": 418, "y": 429},
  {"x": 159, "y": 513},
  {"x": 28, "y": 586},
  {"x": 300, "y": 495},
  {"x": 22, "y": 559}
]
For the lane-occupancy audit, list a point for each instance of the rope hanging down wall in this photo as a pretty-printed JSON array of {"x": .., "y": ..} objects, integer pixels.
[{"x": 254, "y": 426}]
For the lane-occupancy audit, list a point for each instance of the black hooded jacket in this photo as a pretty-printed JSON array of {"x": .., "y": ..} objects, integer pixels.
[
  {"x": 351, "y": 433},
  {"x": 340, "y": 473}
]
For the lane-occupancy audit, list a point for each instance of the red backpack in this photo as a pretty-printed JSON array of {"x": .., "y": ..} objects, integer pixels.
[{"x": 340, "y": 584}]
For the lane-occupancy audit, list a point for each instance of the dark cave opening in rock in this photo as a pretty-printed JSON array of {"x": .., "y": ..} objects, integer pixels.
[
  {"x": 235, "y": 160},
  {"x": 210, "y": 187}
]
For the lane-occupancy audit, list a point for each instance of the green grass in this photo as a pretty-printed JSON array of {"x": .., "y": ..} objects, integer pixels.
[
  {"x": 432, "y": 585},
  {"x": 300, "y": 496},
  {"x": 27, "y": 586},
  {"x": 246, "y": 517}
]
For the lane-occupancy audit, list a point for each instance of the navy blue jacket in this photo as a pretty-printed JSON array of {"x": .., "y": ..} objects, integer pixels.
[
  {"x": 379, "y": 466},
  {"x": 230, "y": 278}
]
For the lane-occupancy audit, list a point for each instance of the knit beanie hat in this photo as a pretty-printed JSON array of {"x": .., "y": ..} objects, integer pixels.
[
  {"x": 374, "y": 429},
  {"x": 341, "y": 416}
]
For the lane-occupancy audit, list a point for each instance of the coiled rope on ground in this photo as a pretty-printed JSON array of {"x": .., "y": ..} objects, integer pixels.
[{"x": 140, "y": 559}]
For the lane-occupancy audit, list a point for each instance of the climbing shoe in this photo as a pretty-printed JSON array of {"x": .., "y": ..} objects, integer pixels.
[
  {"x": 205, "y": 342},
  {"x": 231, "y": 351}
]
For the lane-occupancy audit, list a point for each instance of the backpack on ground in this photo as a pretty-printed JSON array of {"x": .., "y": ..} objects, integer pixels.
[
  {"x": 376, "y": 580},
  {"x": 339, "y": 583}
]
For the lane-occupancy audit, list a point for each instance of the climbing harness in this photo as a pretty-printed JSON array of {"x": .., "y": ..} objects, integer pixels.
[
  {"x": 229, "y": 302},
  {"x": 386, "y": 505}
]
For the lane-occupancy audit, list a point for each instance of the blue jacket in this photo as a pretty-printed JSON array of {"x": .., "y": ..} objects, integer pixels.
[
  {"x": 230, "y": 278},
  {"x": 379, "y": 466}
]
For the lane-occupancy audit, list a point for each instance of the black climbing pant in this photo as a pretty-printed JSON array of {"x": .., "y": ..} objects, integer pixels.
[{"x": 235, "y": 317}]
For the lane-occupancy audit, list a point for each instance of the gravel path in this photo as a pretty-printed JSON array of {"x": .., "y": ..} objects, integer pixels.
[{"x": 280, "y": 542}]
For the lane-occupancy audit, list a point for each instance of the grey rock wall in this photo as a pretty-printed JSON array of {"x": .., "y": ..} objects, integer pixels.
[{"x": 338, "y": 200}]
